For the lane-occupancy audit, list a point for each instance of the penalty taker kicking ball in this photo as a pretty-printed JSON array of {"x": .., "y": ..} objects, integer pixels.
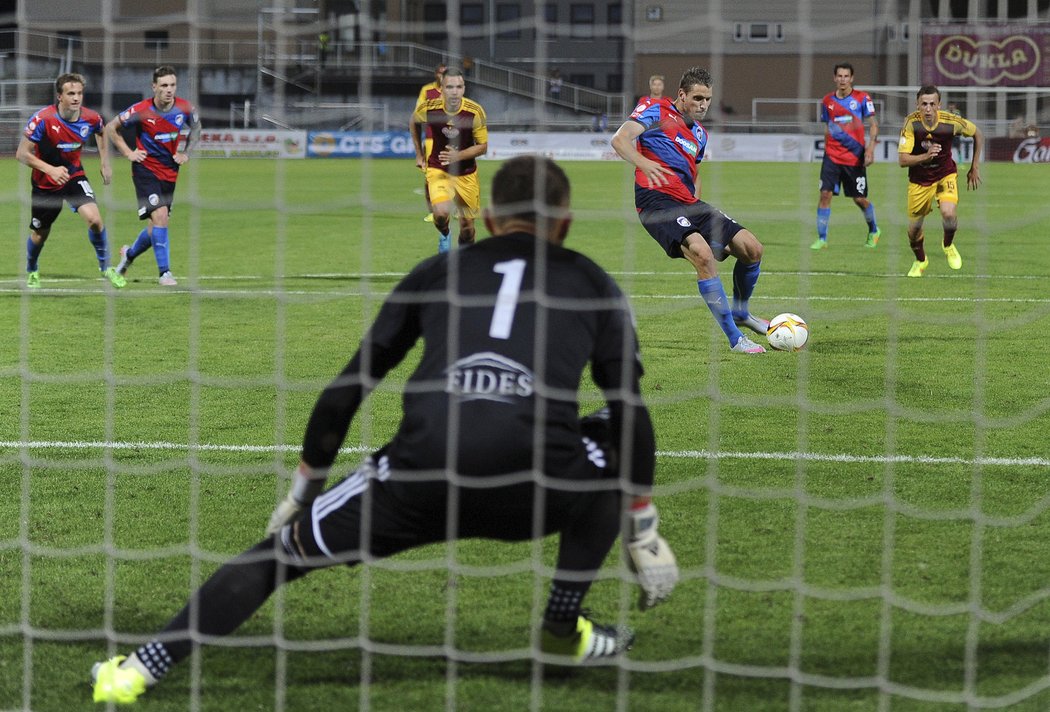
[{"x": 787, "y": 332}]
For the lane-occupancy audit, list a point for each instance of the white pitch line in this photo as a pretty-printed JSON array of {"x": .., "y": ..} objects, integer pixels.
[
  {"x": 337, "y": 293},
  {"x": 672, "y": 454}
]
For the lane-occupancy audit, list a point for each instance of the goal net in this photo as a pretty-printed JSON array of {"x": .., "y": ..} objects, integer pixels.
[{"x": 858, "y": 525}]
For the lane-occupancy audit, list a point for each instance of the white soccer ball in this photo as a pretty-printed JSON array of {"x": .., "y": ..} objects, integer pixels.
[{"x": 787, "y": 332}]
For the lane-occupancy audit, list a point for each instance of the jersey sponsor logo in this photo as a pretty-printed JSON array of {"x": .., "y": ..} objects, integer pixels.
[
  {"x": 164, "y": 137},
  {"x": 844, "y": 119},
  {"x": 489, "y": 376},
  {"x": 69, "y": 146},
  {"x": 690, "y": 147}
]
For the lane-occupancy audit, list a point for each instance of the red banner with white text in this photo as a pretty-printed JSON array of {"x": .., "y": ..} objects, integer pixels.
[{"x": 986, "y": 55}]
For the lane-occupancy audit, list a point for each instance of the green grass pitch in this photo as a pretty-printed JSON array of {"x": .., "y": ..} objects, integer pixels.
[{"x": 860, "y": 526}]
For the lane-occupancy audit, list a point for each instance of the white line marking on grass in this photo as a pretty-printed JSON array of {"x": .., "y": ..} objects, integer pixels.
[
  {"x": 674, "y": 454},
  {"x": 277, "y": 293}
]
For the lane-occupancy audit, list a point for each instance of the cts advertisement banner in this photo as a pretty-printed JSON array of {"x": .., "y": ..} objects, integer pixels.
[
  {"x": 986, "y": 55},
  {"x": 358, "y": 144}
]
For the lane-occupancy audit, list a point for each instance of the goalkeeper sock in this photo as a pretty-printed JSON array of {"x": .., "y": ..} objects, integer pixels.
[
  {"x": 160, "y": 248},
  {"x": 98, "y": 241},
  {"x": 152, "y": 660},
  {"x": 715, "y": 297},
  {"x": 823, "y": 218},
  {"x": 563, "y": 606},
  {"x": 33, "y": 254},
  {"x": 141, "y": 244}
]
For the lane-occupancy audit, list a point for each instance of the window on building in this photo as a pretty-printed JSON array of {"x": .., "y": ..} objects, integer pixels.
[
  {"x": 584, "y": 80},
  {"x": 156, "y": 39},
  {"x": 550, "y": 16},
  {"x": 434, "y": 18},
  {"x": 508, "y": 15},
  {"x": 471, "y": 14},
  {"x": 581, "y": 21},
  {"x": 614, "y": 18},
  {"x": 70, "y": 38}
]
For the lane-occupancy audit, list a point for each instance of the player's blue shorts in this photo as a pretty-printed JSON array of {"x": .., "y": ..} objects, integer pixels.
[
  {"x": 854, "y": 179},
  {"x": 670, "y": 222},
  {"x": 46, "y": 205},
  {"x": 152, "y": 192}
]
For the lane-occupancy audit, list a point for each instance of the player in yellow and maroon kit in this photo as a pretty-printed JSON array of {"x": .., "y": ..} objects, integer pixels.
[
  {"x": 430, "y": 90},
  {"x": 460, "y": 135},
  {"x": 926, "y": 151}
]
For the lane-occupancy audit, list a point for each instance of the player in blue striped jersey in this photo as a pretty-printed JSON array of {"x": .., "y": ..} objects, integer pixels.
[
  {"x": 665, "y": 143},
  {"x": 51, "y": 144}
]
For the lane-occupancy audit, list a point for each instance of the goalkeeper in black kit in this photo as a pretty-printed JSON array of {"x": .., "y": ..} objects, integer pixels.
[{"x": 490, "y": 432}]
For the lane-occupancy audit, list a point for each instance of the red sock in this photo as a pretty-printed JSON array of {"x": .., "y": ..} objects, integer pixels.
[{"x": 918, "y": 247}]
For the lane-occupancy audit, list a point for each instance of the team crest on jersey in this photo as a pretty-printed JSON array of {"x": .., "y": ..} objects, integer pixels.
[
  {"x": 853, "y": 104},
  {"x": 178, "y": 120},
  {"x": 450, "y": 131},
  {"x": 684, "y": 221},
  {"x": 84, "y": 131},
  {"x": 488, "y": 376}
]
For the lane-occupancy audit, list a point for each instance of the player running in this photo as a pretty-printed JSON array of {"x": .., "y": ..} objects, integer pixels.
[
  {"x": 460, "y": 136},
  {"x": 926, "y": 151},
  {"x": 158, "y": 124},
  {"x": 665, "y": 142},
  {"x": 51, "y": 144}
]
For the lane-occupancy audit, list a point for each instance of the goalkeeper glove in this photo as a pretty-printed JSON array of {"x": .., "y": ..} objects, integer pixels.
[
  {"x": 650, "y": 558},
  {"x": 305, "y": 488}
]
